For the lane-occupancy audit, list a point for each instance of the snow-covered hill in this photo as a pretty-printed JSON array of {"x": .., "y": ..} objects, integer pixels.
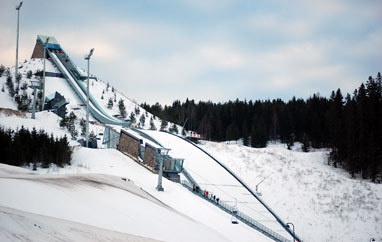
[
  {"x": 89, "y": 200},
  {"x": 101, "y": 91},
  {"x": 324, "y": 203}
]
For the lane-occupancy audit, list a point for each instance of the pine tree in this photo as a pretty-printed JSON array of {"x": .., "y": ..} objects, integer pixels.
[
  {"x": 258, "y": 134},
  {"x": 137, "y": 111},
  {"x": 245, "y": 134},
  {"x": 92, "y": 136},
  {"x": 132, "y": 117},
  {"x": 305, "y": 143},
  {"x": 142, "y": 120},
  {"x": 63, "y": 122},
  {"x": 10, "y": 86},
  {"x": 72, "y": 130},
  {"x": 163, "y": 124},
  {"x": 122, "y": 108},
  {"x": 71, "y": 126},
  {"x": 24, "y": 102},
  {"x": 29, "y": 74},
  {"x": 174, "y": 129},
  {"x": 2, "y": 70},
  {"x": 110, "y": 103},
  {"x": 18, "y": 78},
  {"x": 24, "y": 87},
  {"x": 152, "y": 125},
  {"x": 83, "y": 127}
]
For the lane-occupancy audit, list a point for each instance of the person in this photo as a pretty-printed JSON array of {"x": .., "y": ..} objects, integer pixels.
[
  {"x": 217, "y": 200},
  {"x": 214, "y": 197},
  {"x": 194, "y": 188},
  {"x": 197, "y": 189},
  {"x": 67, "y": 58},
  {"x": 207, "y": 194}
]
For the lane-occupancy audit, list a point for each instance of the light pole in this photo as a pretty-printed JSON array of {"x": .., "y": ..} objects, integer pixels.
[
  {"x": 294, "y": 239},
  {"x": 17, "y": 38},
  {"x": 43, "y": 77},
  {"x": 34, "y": 85},
  {"x": 257, "y": 187},
  {"x": 162, "y": 152},
  {"x": 87, "y": 57}
]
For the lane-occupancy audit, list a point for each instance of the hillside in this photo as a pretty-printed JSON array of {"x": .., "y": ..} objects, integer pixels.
[
  {"x": 324, "y": 203},
  {"x": 106, "y": 196},
  {"x": 101, "y": 91}
]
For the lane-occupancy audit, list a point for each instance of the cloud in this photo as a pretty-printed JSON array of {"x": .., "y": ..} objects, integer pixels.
[
  {"x": 212, "y": 49},
  {"x": 281, "y": 26}
]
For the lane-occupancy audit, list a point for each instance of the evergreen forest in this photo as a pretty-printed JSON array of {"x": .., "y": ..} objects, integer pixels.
[
  {"x": 350, "y": 125},
  {"x": 23, "y": 147}
]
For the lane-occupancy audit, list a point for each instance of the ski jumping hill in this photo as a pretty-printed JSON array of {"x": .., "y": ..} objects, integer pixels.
[{"x": 105, "y": 195}]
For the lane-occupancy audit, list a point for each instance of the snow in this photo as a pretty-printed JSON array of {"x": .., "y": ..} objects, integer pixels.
[
  {"x": 216, "y": 180},
  {"x": 17, "y": 225},
  {"x": 96, "y": 87},
  {"x": 7, "y": 102},
  {"x": 323, "y": 203},
  {"x": 88, "y": 201},
  {"x": 173, "y": 215}
]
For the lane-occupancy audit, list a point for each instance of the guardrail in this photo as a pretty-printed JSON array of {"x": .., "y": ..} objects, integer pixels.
[
  {"x": 189, "y": 177},
  {"x": 94, "y": 107},
  {"x": 278, "y": 219},
  {"x": 239, "y": 215}
]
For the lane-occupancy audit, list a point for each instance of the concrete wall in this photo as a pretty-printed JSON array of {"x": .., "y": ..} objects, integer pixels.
[
  {"x": 38, "y": 51},
  {"x": 150, "y": 156},
  {"x": 129, "y": 144}
]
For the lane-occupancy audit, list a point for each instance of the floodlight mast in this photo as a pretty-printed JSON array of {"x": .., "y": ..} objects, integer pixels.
[
  {"x": 87, "y": 57},
  {"x": 161, "y": 153},
  {"x": 17, "y": 39},
  {"x": 43, "y": 77}
]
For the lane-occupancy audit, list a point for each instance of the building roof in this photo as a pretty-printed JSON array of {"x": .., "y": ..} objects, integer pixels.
[{"x": 43, "y": 38}]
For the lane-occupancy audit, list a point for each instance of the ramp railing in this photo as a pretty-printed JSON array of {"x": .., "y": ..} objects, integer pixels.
[
  {"x": 239, "y": 215},
  {"x": 278, "y": 219}
]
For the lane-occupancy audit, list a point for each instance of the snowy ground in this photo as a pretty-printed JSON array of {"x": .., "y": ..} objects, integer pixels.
[
  {"x": 324, "y": 203},
  {"x": 108, "y": 202},
  {"x": 17, "y": 225},
  {"x": 88, "y": 201},
  {"x": 97, "y": 88}
]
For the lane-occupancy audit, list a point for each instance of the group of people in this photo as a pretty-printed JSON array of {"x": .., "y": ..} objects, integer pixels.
[
  {"x": 60, "y": 51},
  {"x": 206, "y": 194}
]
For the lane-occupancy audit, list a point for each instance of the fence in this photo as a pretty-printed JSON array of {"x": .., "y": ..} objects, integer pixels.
[{"x": 239, "y": 215}]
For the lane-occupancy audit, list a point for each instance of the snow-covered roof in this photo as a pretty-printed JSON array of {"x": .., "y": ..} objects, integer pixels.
[{"x": 43, "y": 39}]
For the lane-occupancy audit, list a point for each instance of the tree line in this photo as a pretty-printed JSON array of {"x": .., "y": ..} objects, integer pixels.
[
  {"x": 23, "y": 147},
  {"x": 350, "y": 126}
]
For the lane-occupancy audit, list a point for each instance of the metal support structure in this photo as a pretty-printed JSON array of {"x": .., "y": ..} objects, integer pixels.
[
  {"x": 17, "y": 39},
  {"x": 34, "y": 85},
  {"x": 257, "y": 187},
  {"x": 159, "y": 186},
  {"x": 43, "y": 78},
  {"x": 87, "y": 57},
  {"x": 162, "y": 152},
  {"x": 294, "y": 239}
]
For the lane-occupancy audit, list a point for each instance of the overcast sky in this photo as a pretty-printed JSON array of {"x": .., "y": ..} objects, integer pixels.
[{"x": 218, "y": 50}]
